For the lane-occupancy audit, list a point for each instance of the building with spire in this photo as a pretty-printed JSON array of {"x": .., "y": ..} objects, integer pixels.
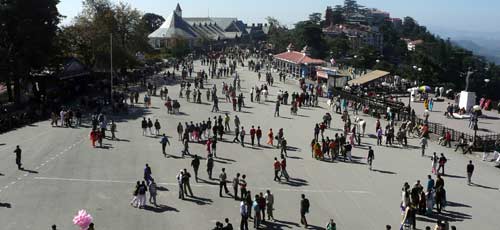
[{"x": 197, "y": 30}]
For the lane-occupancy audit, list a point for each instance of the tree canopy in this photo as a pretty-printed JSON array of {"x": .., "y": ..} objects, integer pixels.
[{"x": 27, "y": 35}]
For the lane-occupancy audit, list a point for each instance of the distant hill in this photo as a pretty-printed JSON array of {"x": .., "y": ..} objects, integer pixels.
[{"x": 492, "y": 53}]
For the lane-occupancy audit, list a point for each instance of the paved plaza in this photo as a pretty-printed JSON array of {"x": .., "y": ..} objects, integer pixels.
[{"x": 64, "y": 173}]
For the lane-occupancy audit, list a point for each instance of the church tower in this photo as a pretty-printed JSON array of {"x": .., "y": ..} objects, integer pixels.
[{"x": 178, "y": 10}]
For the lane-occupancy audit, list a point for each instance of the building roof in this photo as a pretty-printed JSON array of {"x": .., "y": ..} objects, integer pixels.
[
  {"x": 298, "y": 58},
  {"x": 369, "y": 77},
  {"x": 174, "y": 26},
  {"x": 199, "y": 27}
]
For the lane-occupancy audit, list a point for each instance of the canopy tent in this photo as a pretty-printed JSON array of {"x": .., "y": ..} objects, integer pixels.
[{"x": 369, "y": 77}]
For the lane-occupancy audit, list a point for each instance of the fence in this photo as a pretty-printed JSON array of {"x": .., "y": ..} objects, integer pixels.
[{"x": 483, "y": 142}]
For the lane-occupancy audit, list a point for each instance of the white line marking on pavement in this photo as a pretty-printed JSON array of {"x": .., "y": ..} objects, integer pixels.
[
  {"x": 13, "y": 182},
  {"x": 204, "y": 185}
]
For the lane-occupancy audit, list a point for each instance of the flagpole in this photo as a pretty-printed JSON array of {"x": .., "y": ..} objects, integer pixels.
[{"x": 111, "y": 70}]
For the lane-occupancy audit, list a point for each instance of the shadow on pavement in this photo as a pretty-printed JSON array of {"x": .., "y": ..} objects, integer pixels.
[
  {"x": 452, "y": 176},
  {"x": 296, "y": 182},
  {"x": 5, "y": 205},
  {"x": 29, "y": 171},
  {"x": 161, "y": 188},
  {"x": 384, "y": 172},
  {"x": 455, "y": 204},
  {"x": 484, "y": 186},
  {"x": 198, "y": 200},
  {"x": 160, "y": 208}
]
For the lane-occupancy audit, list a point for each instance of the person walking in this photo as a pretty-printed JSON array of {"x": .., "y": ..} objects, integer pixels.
[
  {"x": 470, "y": 171},
  {"x": 242, "y": 136},
  {"x": 244, "y": 215},
  {"x": 236, "y": 183},
  {"x": 142, "y": 194},
  {"x": 180, "y": 130},
  {"x": 18, "y": 152},
  {"x": 144, "y": 126},
  {"x": 434, "y": 160},
  {"x": 256, "y": 212},
  {"x": 252, "y": 135},
  {"x": 186, "y": 176},
  {"x": 258, "y": 134},
  {"x": 283, "y": 146},
  {"x": 423, "y": 144},
  {"x": 223, "y": 182},
  {"x": 442, "y": 161},
  {"x": 181, "y": 187},
  {"x": 243, "y": 186},
  {"x": 210, "y": 166},
  {"x": 284, "y": 173},
  {"x": 147, "y": 174},
  {"x": 277, "y": 109},
  {"x": 277, "y": 168},
  {"x": 135, "y": 200},
  {"x": 270, "y": 137},
  {"x": 113, "y": 129},
  {"x": 157, "y": 127},
  {"x": 236, "y": 134},
  {"x": 150, "y": 126},
  {"x": 269, "y": 205},
  {"x": 164, "y": 141},
  {"x": 195, "y": 163},
  {"x": 304, "y": 209},
  {"x": 371, "y": 157},
  {"x": 152, "y": 193}
]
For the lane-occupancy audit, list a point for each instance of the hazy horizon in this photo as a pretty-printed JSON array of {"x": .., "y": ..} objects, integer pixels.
[{"x": 480, "y": 15}]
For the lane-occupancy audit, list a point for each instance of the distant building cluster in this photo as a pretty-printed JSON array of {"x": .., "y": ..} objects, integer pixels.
[
  {"x": 197, "y": 30},
  {"x": 361, "y": 27}
]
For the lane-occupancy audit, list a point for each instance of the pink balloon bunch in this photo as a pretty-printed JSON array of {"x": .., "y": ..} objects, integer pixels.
[{"x": 82, "y": 220}]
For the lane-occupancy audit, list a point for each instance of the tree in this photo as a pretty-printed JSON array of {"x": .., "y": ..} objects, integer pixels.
[
  {"x": 337, "y": 15},
  {"x": 315, "y": 18},
  {"x": 90, "y": 35},
  {"x": 350, "y": 7},
  {"x": 28, "y": 29},
  {"x": 279, "y": 36},
  {"x": 310, "y": 34},
  {"x": 152, "y": 21}
]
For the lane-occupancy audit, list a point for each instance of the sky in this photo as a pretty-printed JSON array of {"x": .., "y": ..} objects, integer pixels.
[{"x": 441, "y": 15}]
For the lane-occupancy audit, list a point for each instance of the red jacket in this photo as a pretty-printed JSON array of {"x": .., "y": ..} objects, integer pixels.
[
  {"x": 277, "y": 165},
  {"x": 252, "y": 132}
]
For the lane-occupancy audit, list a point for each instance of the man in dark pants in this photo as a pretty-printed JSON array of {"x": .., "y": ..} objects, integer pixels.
[
  {"x": 18, "y": 151},
  {"x": 195, "y": 163},
  {"x": 236, "y": 183},
  {"x": 223, "y": 182},
  {"x": 164, "y": 141},
  {"x": 252, "y": 135},
  {"x": 244, "y": 215},
  {"x": 277, "y": 168},
  {"x": 470, "y": 170},
  {"x": 304, "y": 208},
  {"x": 277, "y": 109}
]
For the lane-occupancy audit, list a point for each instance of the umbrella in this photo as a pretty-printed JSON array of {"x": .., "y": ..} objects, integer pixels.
[
  {"x": 476, "y": 108},
  {"x": 424, "y": 88}
]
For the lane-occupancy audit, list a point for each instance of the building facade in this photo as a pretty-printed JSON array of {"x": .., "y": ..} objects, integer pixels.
[{"x": 199, "y": 30}]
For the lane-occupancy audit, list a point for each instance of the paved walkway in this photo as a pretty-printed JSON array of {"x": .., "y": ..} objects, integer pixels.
[{"x": 65, "y": 174}]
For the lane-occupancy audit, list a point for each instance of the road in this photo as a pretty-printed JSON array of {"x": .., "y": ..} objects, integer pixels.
[{"x": 65, "y": 174}]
